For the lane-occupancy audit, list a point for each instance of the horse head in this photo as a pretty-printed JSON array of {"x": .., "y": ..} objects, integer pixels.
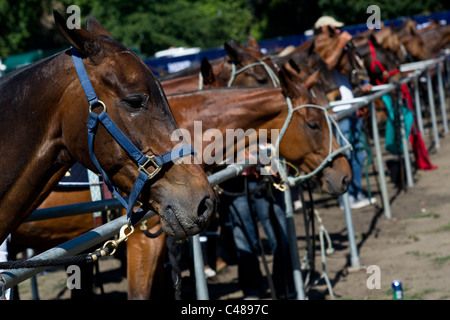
[
  {"x": 308, "y": 78},
  {"x": 135, "y": 101},
  {"x": 382, "y": 64},
  {"x": 247, "y": 67},
  {"x": 389, "y": 40},
  {"x": 412, "y": 41},
  {"x": 306, "y": 142}
]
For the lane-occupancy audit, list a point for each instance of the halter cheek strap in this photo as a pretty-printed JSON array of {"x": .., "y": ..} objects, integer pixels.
[{"x": 134, "y": 153}]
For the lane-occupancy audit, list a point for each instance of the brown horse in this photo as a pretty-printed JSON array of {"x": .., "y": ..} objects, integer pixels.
[
  {"x": 304, "y": 55},
  {"x": 263, "y": 107},
  {"x": 410, "y": 37},
  {"x": 437, "y": 38},
  {"x": 381, "y": 64},
  {"x": 218, "y": 72},
  {"x": 305, "y": 144},
  {"x": 44, "y": 116},
  {"x": 389, "y": 39}
]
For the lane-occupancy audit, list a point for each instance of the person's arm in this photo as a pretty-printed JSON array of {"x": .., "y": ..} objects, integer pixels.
[{"x": 333, "y": 59}]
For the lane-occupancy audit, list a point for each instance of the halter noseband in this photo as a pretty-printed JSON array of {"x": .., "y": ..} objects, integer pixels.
[{"x": 143, "y": 161}]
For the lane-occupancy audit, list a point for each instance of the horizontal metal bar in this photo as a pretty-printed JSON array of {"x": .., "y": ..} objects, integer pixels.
[
  {"x": 91, "y": 238},
  {"x": 232, "y": 170},
  {"x": 71, "y": 247},
  {"x": 379, "y": 91},
  {"x": 74, "y": 209},
  {"x": 406, "y": 67}
]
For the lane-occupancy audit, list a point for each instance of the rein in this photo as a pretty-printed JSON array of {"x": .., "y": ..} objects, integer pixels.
[
  {"x": 143, "y": 161},
  {"x": 375, "y": 62}
]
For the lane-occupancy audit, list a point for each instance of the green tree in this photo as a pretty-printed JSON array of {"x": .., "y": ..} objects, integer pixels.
[
  {"x": 19, "y": 25},
  {"x": 153, "y": 25}
]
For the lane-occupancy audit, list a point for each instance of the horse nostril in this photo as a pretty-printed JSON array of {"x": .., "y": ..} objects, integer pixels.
[
  {"x": 345, "y": 181},
  {"x": 206, "y": 208}
]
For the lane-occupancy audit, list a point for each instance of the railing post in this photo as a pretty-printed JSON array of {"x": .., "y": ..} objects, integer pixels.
[
  {"x": 354, "y": 257},
  {"x": 432, "y": 110},
  {"x": 405, "y": 149},
  {"x": 442, "y": 97},
  {"x": 380, "y": 165},
  {"x": 298, "y": 280},
  {"x": 199, "y": 271},
  {"x": 417, "y": 105}
]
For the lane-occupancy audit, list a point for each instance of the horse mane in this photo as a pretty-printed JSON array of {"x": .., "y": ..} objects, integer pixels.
[
  {"x": 23, "y": 71},
  {"x": 221, "y": 88}
]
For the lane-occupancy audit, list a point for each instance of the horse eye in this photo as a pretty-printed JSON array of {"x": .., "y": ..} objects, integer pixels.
[
  {"x": 136, "y": 101},
  {"x": 313, "y": 125},
  {"x": 262, "y": 80}
]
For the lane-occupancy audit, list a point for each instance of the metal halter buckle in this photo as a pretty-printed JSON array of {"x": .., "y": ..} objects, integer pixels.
[
  {"x": 153, "y": 162},
  {"x": 100, "y": 103}
]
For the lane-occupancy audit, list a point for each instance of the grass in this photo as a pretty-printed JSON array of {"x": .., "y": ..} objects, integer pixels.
[
  {"x": 444, "y": 228},
  {"x": 441, "y": 260},
  {"x": 430, "y": 214}
]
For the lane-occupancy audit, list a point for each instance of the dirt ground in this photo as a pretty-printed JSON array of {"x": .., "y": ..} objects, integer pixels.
[{"x": 412, "y": 247}]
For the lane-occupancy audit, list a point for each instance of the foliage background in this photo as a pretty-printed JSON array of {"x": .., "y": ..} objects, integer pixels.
[{"x": 152, "y": 25}]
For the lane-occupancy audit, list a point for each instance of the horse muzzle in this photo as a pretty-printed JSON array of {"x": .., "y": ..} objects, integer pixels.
[{"x": 180, "y": 222}]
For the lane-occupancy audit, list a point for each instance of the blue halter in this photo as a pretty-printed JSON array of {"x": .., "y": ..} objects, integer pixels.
[{"x": 135, "y": 154}]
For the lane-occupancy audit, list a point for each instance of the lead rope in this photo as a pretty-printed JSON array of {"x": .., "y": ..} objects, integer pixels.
[
  {"x": 324, "y": 233},
  {"x": 109, "y": 248}
]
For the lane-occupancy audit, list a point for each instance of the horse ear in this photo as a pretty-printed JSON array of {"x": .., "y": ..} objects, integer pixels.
[
  {"x": 207, "y": 72},
  {"x": 232, "y": 52},
  {"x": 289, "y": 88},
  {"x": 94, "y": 27},
  {"x": 373, "y": 39},
  {"x": 294, "y": 65},
  {"x": 311, "y": 80},
  {"x": 252, "y": 43},
  {"x": 80, "y": 39}
]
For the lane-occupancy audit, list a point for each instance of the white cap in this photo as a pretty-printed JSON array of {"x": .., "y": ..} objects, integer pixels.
[{"x": 327, "y": 21}]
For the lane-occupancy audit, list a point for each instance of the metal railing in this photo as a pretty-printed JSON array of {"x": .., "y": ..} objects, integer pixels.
[
  {"x": 416, "y": 69},
  {"x": 11, "y": 278}
]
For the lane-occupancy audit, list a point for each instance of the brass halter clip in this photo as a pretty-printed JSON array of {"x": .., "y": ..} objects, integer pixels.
[
  {"x": 122, "y": 237},
  {"x": 154, "y": 164}
]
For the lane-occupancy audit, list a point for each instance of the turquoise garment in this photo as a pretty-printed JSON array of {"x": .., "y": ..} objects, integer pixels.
[{"x": 392, "y": 146}]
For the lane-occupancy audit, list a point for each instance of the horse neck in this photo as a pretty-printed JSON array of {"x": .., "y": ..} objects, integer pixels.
[
  {"x": 228, "y": 109},
  {"x": 192, "y": 82},
  {"x": 31, "y": 137},
  {"x": 180, "y": 85}
]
